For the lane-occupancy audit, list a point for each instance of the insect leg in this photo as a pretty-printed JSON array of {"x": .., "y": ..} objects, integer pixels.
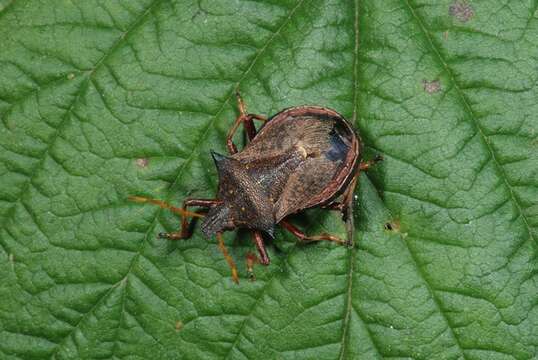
[
  {"x": 365, "y": 165},
  {"x": 347, "y": 196},
  {"x": 338, "y": 206},
  {"x": 248, "y": 124},
  {"x": 346, "y": 208},
  {"x": 251, "y": 260},
  {"x": 347, "y": 199},
  {"x": 258, "y": 241},
  {"x": 185, "y": 224},
  {"x": 303, "y": 237}
]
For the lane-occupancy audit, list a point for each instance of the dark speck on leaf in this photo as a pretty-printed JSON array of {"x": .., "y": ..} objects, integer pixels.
[
  {"x": 393, "y": 225},
  {"x": 142, "y": 162},
  {"x": 461, "y": 10},
  {"x": 431, "y": 86}
]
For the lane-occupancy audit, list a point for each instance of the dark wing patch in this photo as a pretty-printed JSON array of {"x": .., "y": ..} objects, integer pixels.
[{"x": 338, "y": 149}]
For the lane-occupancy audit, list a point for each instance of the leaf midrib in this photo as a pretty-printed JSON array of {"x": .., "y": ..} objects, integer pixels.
[
  {"x": 349, "y": 305},
  {"x": 353, "y": 253}
]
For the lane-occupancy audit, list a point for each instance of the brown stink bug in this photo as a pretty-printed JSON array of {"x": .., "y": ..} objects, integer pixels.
[{"x": 302, "y": 157}]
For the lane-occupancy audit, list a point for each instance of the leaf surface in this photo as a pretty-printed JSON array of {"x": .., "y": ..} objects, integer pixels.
[{"x": 100, "y": 100}]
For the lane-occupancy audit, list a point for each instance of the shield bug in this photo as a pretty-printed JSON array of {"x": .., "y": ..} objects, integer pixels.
[{"x": 302, "y": 157}]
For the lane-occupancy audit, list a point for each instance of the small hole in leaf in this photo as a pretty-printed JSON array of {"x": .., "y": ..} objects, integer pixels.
[{"x": 393, "y": 225}]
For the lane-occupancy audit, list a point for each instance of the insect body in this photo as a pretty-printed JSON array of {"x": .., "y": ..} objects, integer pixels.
[{"x": 302, "y": 157}]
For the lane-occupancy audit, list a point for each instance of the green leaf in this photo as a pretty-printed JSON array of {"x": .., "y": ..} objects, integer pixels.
[{"x": 100, "y": 100}]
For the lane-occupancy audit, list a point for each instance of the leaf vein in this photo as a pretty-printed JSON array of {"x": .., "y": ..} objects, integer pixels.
[{"x": 485, "y": 140}]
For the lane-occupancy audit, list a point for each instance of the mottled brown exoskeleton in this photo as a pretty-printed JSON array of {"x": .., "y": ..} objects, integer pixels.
[{"x": 302, "y": 157}]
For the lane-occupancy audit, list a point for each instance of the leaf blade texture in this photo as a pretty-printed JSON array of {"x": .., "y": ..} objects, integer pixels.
[{"x": 100, "y": 100}]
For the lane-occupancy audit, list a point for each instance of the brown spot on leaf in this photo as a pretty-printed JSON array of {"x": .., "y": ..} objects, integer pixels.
[
  {"x": 142, "y": 162},
  {"x": 179, "y": 325},
  {"x": 431, "y": 87},
  {"x": 461, "y": 10}
]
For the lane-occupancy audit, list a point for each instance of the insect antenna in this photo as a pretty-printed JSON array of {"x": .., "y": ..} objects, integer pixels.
[
  {"x": 164, "y": 205},
  {"x": 228, "y": 258}
]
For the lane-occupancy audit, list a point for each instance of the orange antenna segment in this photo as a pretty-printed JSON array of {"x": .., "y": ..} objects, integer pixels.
[
  {"x": 229, "y": 260},
  {"x": 164, "y": 205}
]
